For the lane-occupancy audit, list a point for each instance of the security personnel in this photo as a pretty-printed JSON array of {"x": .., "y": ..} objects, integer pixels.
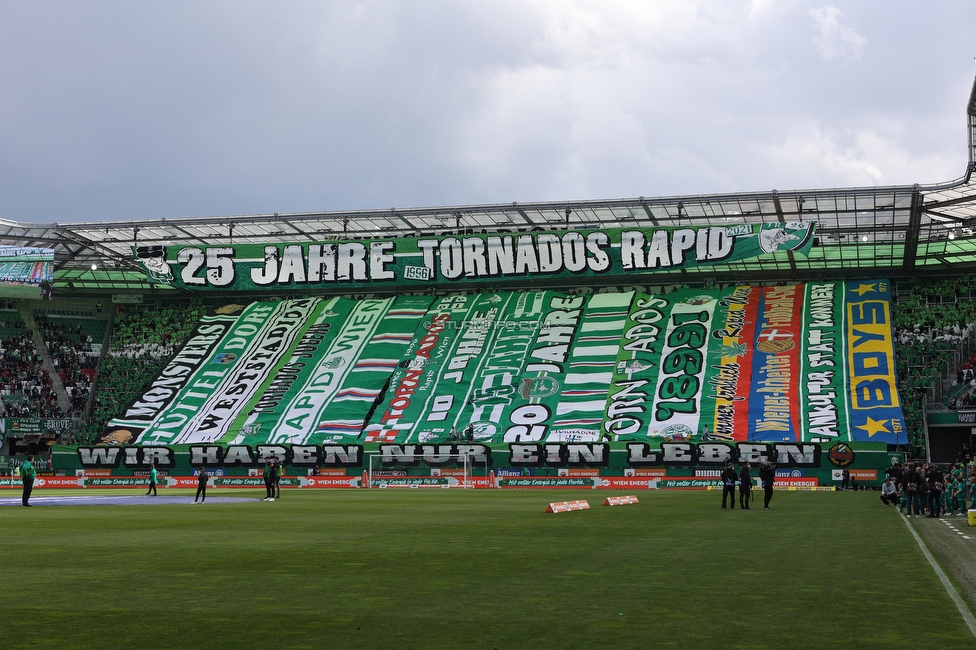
[
  {"x": 745, "y": 486},
  {"x": 936, "y": 481},
  {"x": 729, "y": 478},
  {"x": 27, "y": 476},
  {"x": 912, "y": 482},
  {"x": 767, "y": 476}
]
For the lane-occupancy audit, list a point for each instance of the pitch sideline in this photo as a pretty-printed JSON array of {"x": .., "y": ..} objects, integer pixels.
[{"x": 956, "y": 598}]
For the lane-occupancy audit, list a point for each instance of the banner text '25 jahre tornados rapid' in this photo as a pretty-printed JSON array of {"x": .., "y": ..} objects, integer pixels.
[
  {"x": 796, "y": 363},
  {"x": 409, "y": 263}
]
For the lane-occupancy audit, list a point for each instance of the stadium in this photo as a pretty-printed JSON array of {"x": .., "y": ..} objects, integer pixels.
[{"x": 511, "y": 357}]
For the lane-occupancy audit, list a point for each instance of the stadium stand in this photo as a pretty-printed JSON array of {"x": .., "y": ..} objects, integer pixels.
[
  {"x": 72, "y": 345},
  {"x": 143, "y": 340},
  {"x": 27, "y": 389}
]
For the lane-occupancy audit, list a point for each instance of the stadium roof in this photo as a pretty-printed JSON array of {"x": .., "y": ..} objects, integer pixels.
[{"x": 898, "y": 231}]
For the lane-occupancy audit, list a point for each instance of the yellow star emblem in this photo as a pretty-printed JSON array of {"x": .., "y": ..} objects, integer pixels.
[
  {"x": 864, "y": 288},
  {"x": 873, "y": 426}
]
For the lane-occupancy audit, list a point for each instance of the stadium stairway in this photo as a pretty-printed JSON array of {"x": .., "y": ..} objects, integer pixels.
[
  {"x": 106, "y": 345},
  {"x": 25, "y": 315}
]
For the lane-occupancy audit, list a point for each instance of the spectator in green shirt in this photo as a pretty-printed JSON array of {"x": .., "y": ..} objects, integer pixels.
[{"x": 27, "y": 475}]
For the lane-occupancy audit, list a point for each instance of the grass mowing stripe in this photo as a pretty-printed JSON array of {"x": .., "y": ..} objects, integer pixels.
[
  {"x": 466, "y": 568},
  {"x": 953, "y": 594}
]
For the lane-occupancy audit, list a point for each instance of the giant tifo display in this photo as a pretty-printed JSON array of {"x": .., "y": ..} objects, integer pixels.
[{"x": 532, "y": 373}]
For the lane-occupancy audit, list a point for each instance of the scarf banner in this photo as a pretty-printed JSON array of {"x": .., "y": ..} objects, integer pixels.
[{"x": 782, "y": 364}]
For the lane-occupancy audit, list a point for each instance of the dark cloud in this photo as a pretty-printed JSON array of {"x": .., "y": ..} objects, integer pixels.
[{"x": 140, "y": 110}]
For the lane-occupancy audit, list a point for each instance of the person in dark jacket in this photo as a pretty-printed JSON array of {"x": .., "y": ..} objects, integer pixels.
[
  {"x": 912, "y": 486},
  {"x": 896, "y": 472},
  {"x": 767, "y": 476},
  {"x": 269, "y": 483},
  {"x": 729, "y": 478},
  {"x": 936, "y": 481},
  {"x": 202, "y": 479},
  {"x": 745, "y": 486},
  {"x": 279, "y": 469}
]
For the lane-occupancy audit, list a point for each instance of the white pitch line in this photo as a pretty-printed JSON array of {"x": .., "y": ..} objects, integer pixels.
[{"x": 953, "y": 594}]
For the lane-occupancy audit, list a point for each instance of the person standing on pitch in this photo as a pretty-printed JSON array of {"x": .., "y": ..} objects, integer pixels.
[
  {"x": 767, "y": 476},
  {"x": 728, "y": 484},
  {"x": 745, "y": 487},
  {"x": 279, "y": 468},
  {"x": 970, "y": 491},
  {"x": 957, "y": 497},
  {"x": 936, "y": 482},
  {"x": 911, "y": 481},
  {"x": 269, "y": 480},
  {"x": 202, "y": 479},
  {"x": 27, "y": 476},
  {"x": 152, "y": 480}
]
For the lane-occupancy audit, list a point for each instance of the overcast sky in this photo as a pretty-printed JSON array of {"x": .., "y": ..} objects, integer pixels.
[{"x": 137, "y": 110}]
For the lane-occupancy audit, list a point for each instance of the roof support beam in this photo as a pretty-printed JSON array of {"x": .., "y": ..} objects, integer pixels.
[{"x": 911, "y": 237}]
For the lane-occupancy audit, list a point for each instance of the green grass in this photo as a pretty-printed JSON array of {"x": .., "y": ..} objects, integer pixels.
[{"x": 471, "y": 569}]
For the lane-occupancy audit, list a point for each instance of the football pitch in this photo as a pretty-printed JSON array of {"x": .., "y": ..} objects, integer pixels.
[{"x": 480, "y": 569}]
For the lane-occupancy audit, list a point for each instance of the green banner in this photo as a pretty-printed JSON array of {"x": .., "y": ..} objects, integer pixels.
[
  {"x": 789, "y": 363},
  {"x": 417, "y": 263},
  {"x": 19, "y": 427},
  {"x": 294, "y": 372},
  {"x": 823, "y": 389},
  {"x": 344, "y": 416},
  {"x": 437, "y": 378}
]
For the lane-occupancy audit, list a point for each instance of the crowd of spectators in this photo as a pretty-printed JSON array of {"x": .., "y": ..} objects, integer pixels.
[
  {"x": 144, "y": 340},
  {"x": 73, "y": 356},
  {"x": 936, "y": 311},
  {"x": 930, "y": 321},
  {"x": 144, "y": 332},
  {"x": 26, "y": 388}
]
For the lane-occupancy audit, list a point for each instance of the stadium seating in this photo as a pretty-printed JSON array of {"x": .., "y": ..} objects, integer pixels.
[
  {"x": 25, "y": 385},
  {"x": 143, "y": 340}
]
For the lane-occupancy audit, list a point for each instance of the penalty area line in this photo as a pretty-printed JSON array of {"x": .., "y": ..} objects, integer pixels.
[{"x": 953, "y": 594}]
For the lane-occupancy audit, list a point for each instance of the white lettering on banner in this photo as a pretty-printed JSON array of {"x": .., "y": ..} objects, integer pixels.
[
  {"x": 530, "y": 423},
  {"x": 822, "y": 413},
  {"x": 99, "y": 456},
  {"x": 682, "y": 367},
  {"x": 639, "y": 454},
  {"x": 626, "y": 409},
  {"x": 669, "y": 248},
  {"x": 434, "y": 455},
  {"x": 174, "y": 376},
  {"x": 276, "y": 328},
  {"x": 303, "y": 412}
]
